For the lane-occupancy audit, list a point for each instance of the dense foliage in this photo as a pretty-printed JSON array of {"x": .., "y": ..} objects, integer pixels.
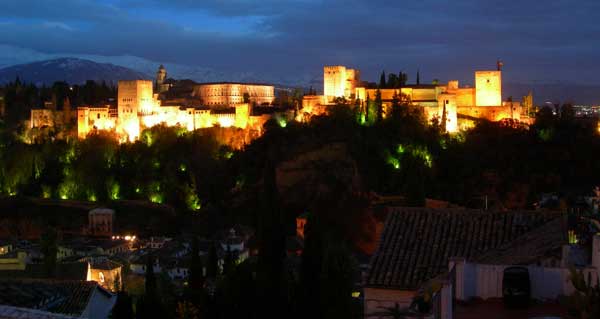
[
  {"x": 400, "y": 154},
  {"x": 166, "y": 166}
]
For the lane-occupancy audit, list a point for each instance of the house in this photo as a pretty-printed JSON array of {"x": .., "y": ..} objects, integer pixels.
[
  {"x": 138, "y": 264},
  {"x": 478, "y": 282},
  {"x": 5, "y": 247},
  {"x": 158, "y": 242},
  {"x": 106, "y": 272},
  {"x": 418, "y": 245},
  {"x": 68, "y": 299},
  {"x": 15, "y": 260},
  {"x": 84, "y": 247}
]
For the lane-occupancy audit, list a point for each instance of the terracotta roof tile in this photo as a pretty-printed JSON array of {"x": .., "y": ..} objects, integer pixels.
[
  {"x": 417, "y": 243},
  {"x": 64, "y": 297}
]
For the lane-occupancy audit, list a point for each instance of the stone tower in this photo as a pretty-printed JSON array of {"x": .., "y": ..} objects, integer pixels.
[
  {"x": 161, "y": 76},
  {"x": 338, "y": 81},
  {"x": 488, "y": 88}
]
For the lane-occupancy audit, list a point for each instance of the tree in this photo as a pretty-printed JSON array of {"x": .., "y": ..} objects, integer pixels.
[
  {"x": 418, "y": 78},
  {"x": 337, "y": 281},
  {"x": 367, "y": 104},
  {"x": 150, "y": 283},
  {"x": 444, "y": 119},
  {"x": 228, "y": 262},
  {"x": 67, "y": 111},
  {"x": 212, "y": 267},
  {"x": 117, "y": 283},
  {"x": 123, "y": 307},
  {"x": 271, "y": 244},
  {"x": 584, "y": 303},
  {"x": 382, "y": 84},
  {"x": 49, "y": 248},
  {"x": 150, "y": 305},
  {"x": 196, "y": 277},
  {"x": 310, "y": 267},
  {"x": 414, "y": 182},
  {"x": 402, "y": 78},
  {"x": 392, "y": 81},
  {"x": 379, "y": 105}
]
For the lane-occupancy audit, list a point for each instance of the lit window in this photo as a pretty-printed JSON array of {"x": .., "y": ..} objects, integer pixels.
[{"x": 101, "y": 276}]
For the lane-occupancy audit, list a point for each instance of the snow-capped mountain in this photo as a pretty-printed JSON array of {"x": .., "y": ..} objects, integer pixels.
[
  {"x": 11, "y": 55},
  {"x": 71, "y": 70}
]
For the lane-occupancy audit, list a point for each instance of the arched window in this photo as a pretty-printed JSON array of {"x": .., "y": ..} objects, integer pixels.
[{"x": 101, "y": 277}]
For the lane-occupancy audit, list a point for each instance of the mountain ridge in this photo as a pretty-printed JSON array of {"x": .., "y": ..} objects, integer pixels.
[
  {"x": 69, "y": 69},
  {"x": 555, "y": 92}
]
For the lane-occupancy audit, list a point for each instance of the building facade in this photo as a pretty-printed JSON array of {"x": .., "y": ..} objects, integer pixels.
[
  {"x": 339, "y": 81},
  {"x": 100, "y": 222},
  {"x": 438, "y": 101},
  {"x": 232, "y": 94},
  {"x": 138, "y": 107}
]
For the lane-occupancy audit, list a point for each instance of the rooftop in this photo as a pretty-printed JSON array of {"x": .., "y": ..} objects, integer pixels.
[
  {"x": 9, "y": 312},
  {"x": 64, "y": 297},
  {"x": 64, "y": 271},
  {"x": 417, "y": 243},
  {"x": 106, "y": 265}
]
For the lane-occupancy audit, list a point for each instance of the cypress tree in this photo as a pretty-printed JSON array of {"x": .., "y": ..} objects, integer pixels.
[
  {"x": 196, "y": 277},
  {"x": 379, "y": 105},
  {"x": 367, "y": 103},
  {"x": 337, "y": 281},
  {"x": 228, "y": 262},
  {"x": 418, "y": 77},
  {"x": 310, "y": 267},
  {"x": 271, "y": 245},
  {"x": 49, "y": 247},
  {"x": 212, "y": 268},
  {"x": 444, "y": 118},
  {"x": 382, "y": 83},
  {"x": 150, "y": 282},
  {"x": 150, "y": 304}
]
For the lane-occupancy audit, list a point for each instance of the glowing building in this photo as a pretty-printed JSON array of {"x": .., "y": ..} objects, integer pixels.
[
  {"x": 484, "y": 101},
  {"x": 138, "y": 107},
  {"x": 339, "y": 81},
  {"x": 488, "y": 88},
  {"x": 231, "y": 94}
]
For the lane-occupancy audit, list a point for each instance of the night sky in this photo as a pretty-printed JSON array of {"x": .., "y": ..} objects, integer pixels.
[{"x": 539, "y": 41}]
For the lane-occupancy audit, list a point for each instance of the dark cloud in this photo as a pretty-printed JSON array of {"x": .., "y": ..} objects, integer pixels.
[{"x": 554, "y": 40}]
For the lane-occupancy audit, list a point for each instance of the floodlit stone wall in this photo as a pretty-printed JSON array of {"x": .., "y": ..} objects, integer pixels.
[
  {"x": 338, "y": 81},
  {"x": 488, "y": 88},
  {"x": 231, "y": 94}
]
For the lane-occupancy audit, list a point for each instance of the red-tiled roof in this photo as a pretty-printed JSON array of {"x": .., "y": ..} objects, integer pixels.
[
  {"x": 417, "y": 243},
  {"x": 545, "y": 241},
  {"x": 65, "y": 297}
]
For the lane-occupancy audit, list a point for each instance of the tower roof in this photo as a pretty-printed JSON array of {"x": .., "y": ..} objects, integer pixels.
[{"x": 161, "y": 67}]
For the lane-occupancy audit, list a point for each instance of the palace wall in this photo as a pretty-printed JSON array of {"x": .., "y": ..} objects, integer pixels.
[
  {"x": 231, "y": 94},
  {"x": 488, "y": 88}
]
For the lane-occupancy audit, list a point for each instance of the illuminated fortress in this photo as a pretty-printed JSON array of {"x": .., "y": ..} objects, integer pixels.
[
  {"x": 142, "y": 104},
  {"x": 484, "y": 101},
  {"x": 138, "y": 107}
]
